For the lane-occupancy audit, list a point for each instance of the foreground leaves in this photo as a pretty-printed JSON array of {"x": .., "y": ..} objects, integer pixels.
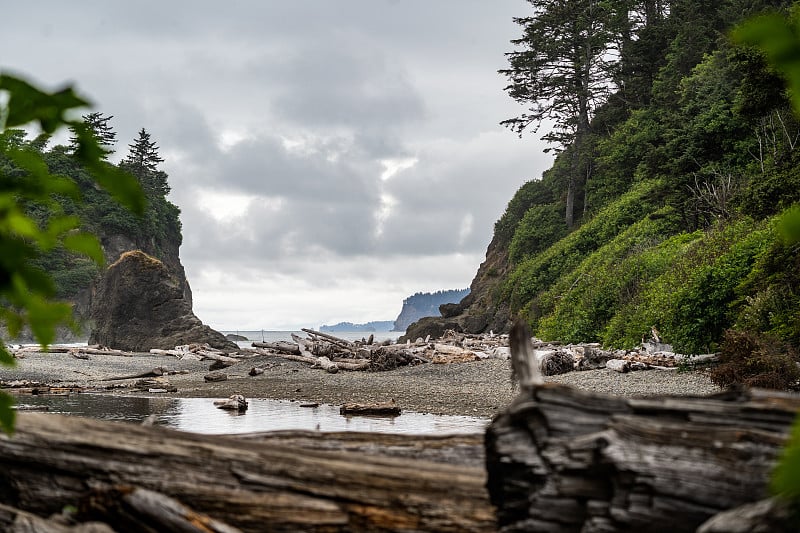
[{"x": 26, "y": 183}]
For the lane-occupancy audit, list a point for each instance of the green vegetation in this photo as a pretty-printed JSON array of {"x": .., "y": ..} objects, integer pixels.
[
  {"x": 94, "y": 209},
  {"x": 687, "y": 175},
  {"x": 38, "y": 205}
]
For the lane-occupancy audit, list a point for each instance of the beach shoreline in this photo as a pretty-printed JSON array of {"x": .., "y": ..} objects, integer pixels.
[{"x": 479, "y": 388}]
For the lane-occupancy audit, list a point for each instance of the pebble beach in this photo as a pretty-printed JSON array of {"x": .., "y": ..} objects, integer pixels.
[{"x": 478, "y": 388}]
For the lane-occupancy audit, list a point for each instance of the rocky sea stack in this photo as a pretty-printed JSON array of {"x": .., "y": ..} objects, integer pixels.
[{"x": 140, "y": 304}]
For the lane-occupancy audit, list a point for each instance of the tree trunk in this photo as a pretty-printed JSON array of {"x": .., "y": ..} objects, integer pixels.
[
  {"x": 53, "y": 461},
  {"x": 569, "y": 213}
]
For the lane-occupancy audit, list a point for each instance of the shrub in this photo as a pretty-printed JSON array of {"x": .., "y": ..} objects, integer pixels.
[
  {"x": 756, "y": 360},
  {"x": 538, "y": 273},
  {"x": 541, "y": 226},
  {"x": 580, "y": 305}
]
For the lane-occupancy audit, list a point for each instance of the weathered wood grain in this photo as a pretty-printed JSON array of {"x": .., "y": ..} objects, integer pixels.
[
  {"x": 52, "y": 461},
  {"x": 561, "y": 459}
]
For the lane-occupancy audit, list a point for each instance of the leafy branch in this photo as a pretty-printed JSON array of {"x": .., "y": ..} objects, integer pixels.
[{"x": 27, "y": 292}]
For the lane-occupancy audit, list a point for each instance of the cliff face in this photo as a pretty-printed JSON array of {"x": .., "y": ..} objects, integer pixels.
[
  {"x": 139, "y": 304},
  {"x": 114, "y": 245},
  {"x": 481, "y": 310}
]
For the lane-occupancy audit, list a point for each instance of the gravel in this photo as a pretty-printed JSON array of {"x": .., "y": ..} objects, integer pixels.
[{"x": 480, "y": 388}]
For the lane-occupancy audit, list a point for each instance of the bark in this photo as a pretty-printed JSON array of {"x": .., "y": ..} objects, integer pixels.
[
  {"x": 560, "y": 459},
  {"x": 461, "y": 450},
  {"x": 17, "y": 521},
  {"x": 52, "y": 461},
  {"x": 136, "y": 510}
]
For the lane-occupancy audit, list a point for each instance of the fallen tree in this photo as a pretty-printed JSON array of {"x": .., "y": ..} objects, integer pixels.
[
  {"x": 54, "y": 461},
  {"x": 565, "y": 460}
]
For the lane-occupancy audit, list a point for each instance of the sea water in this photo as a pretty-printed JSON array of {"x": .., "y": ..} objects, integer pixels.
[{"x": 276, "y": 336}]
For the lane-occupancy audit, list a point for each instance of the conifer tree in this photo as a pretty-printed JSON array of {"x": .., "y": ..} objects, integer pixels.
[
  {"x": 97, "y": 126},
  {"x": 142, "y": 161},
  {"x": 561, "y": 71}
]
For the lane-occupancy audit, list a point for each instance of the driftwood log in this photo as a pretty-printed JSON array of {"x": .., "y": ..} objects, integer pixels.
[
  {"x": 564, "y": 460},
  {"x": 321, "y": 362},
  {"x": 283, "y": 347},
  {"x": 53, "y": 461},
  {"x": 371, "y": 409},
  {"x": 462, "y": 450}
]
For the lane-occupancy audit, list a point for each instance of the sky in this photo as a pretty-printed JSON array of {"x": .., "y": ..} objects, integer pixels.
[{"x": 330, "y": 157}]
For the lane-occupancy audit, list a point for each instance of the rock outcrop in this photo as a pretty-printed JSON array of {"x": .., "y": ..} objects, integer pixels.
[
  {"x": 479, "y": 311},
  {"x": 141, "y": 304},
  {"x": 426, "y": 304}
]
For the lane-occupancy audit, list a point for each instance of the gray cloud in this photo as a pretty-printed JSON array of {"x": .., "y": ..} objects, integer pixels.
[{"x": 277, "y": 121}]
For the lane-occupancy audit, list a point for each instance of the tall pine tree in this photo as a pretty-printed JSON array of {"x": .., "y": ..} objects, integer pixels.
[
  {"x": 563, "y": 69},
  {"x": 142, "y": 161},
  {"x": 96, "y": 125}
]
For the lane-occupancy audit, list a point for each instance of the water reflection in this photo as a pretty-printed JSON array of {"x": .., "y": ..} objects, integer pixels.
[{"x": 200, "y": 416}]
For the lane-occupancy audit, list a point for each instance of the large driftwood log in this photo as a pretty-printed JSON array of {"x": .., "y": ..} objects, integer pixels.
[
  {"x": 560, "y": 459},
  {"x": 53, "y": 461},
  {"x": 463, "y": 450},
  {"x": 564, "y": 460}
]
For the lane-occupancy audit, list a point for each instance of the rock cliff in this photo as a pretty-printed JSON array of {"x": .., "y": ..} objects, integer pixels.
[{"x": 141, "y": 304}]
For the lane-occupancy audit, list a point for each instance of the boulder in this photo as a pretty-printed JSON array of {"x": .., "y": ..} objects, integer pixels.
[
  {"x": 139, "y": 305},
  {"x": 429, "y": 326}
]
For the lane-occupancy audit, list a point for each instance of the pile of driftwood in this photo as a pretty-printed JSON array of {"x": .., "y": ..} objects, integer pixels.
[
  {"x": 79, "y": 352},
  {"x": 332, "y": 353}
]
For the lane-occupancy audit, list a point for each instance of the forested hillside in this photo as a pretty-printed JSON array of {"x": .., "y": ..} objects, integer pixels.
[
  {"x": 157, "y": 232},
  {"x": 677, "y": 151}
]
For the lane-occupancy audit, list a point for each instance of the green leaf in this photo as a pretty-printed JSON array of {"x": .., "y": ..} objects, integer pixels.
[
  {"x": 60, "y": 225},
  {"x": 22, "y": 225},
  {"x": 5, "y": 357},
  {"x": 786, "y": 476},
  {"x": 7, "y": 413},
  {"x": 28, "y": 104},
  {"x": 86, "y": 244}
]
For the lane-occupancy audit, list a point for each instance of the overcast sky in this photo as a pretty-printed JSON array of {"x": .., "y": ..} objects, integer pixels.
[{"x": 330, "y": 157}]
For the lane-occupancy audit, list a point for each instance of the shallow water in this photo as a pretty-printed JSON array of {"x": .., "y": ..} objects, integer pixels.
[{"x": 199, "y": 415}]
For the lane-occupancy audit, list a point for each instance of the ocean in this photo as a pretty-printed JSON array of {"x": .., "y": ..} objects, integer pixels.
[{"x": 266, "y": 335}]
